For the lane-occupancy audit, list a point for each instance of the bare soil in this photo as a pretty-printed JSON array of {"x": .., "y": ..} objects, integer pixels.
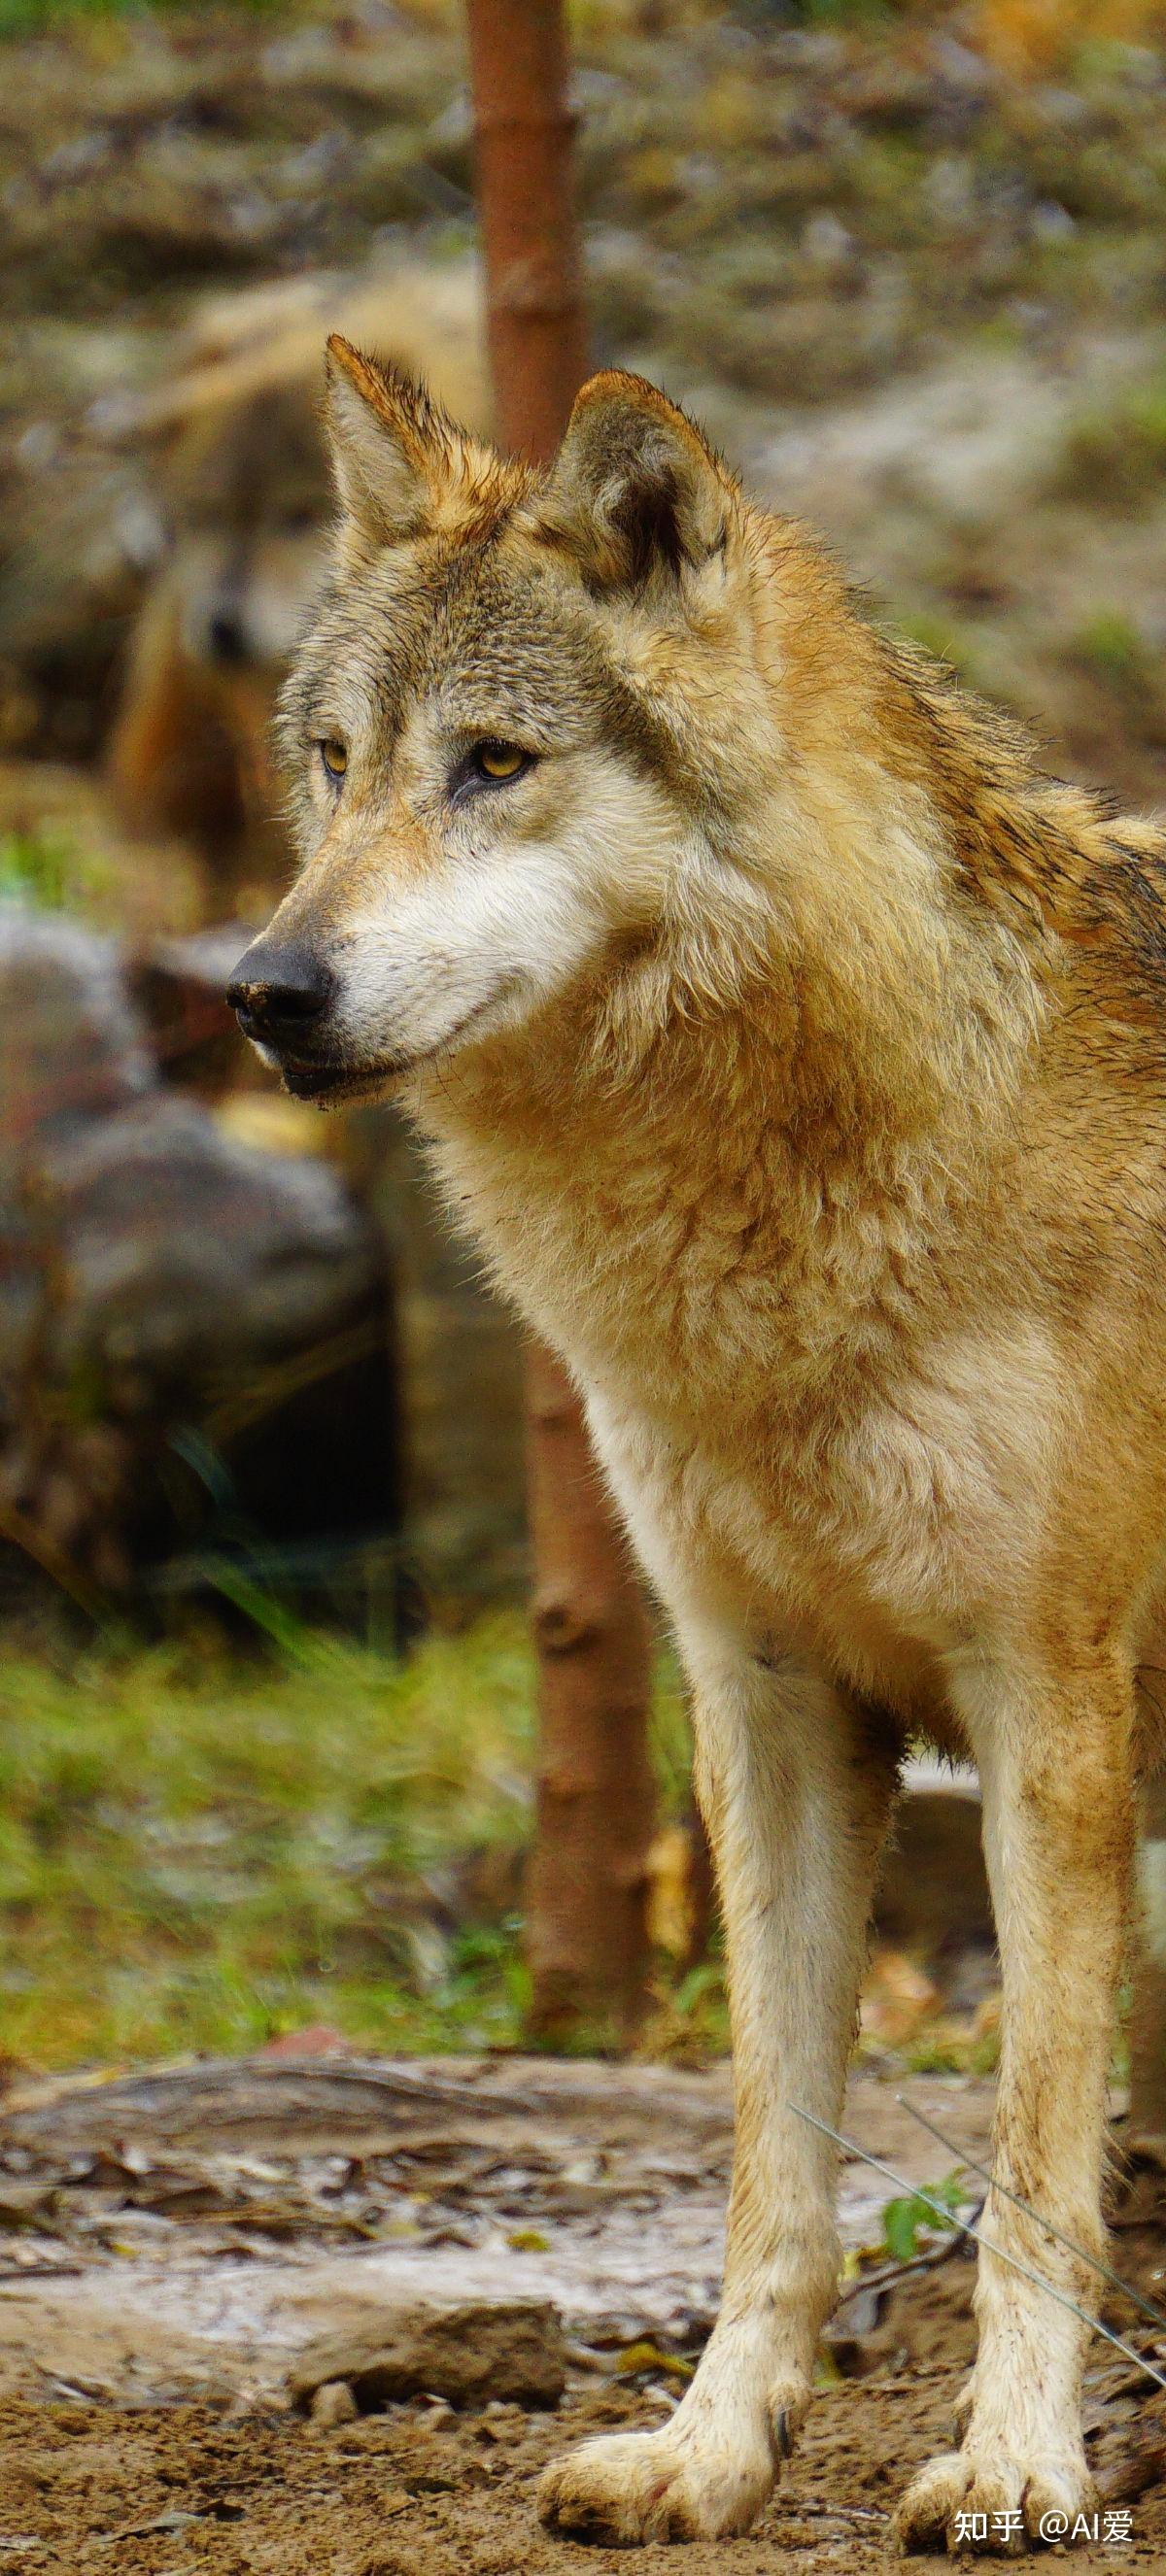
[
  {"x": 421, "y": 2492},
  {"x": 175, "y": 2243}
]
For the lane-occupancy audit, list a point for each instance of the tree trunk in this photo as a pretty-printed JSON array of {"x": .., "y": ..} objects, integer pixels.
[
  {"x": 588, "y": 1880},
  {"x": 526, "y": 203},
  {"x": 1148, "y": 2019},
  {"x": 587, "y": 1935}
]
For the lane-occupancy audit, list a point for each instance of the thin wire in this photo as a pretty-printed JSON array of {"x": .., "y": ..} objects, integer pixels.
[
  {"x": 947, "y": 2218},
  {"x": 1156, "y": 2315}
]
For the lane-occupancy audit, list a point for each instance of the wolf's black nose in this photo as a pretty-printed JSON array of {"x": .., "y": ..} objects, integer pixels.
[{"x": 277, "y": 992}]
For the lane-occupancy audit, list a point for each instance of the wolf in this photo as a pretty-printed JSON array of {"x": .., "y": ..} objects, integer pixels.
[{"x": 796, "y": 1050}]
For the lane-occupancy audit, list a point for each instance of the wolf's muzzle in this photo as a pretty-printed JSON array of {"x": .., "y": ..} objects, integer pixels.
[{"x": 280, "y": 996}]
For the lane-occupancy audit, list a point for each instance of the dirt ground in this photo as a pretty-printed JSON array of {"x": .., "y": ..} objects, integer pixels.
[
  {"x": 421, "y": 2491},
  {"x": 396, "y": 2495},
  {"x": 178, "y": 2246}
]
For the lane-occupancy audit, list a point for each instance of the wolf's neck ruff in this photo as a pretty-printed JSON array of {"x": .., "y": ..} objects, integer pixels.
[
  {"x": 679, "y": 1190},
  {"x": 776, "y": 1116}
]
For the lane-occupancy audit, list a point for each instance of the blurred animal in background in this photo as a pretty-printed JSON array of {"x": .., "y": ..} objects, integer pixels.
[{"x": 245, "y": 497}]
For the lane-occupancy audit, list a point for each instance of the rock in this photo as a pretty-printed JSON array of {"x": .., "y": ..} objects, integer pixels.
[
  {"x": 165, "y": 1250},
  {"x": 467, "y": 2354},
  {"x": 71, "y": 1046},
  {"x": 78, "y": 535},
  {"x": 333, "y": 2405},
  {"x": 71, "y": 1052},
  {"x": 180, "y": 984},
  {"x": 162, "y": 1283},
  {"x": 176, "y": 1252},
  {"x": 190, "y": 1258}
]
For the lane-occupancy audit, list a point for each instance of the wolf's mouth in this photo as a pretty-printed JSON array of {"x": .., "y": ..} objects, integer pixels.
[
  {"x": 324, "y": 1083},
  {"x": 311, "y": 1081},
  {"x": 310, "y": 1078}
]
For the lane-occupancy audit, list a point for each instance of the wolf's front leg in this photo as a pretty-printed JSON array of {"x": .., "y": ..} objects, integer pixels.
[
  {"x": 796, "y": 1787},
  {"x": 1055, "y": 1770}
]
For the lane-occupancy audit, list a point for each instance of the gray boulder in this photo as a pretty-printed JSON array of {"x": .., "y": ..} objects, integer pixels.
[
  {"x": 152, "y": 1268},
  {"x": 190, "y": 1260}
]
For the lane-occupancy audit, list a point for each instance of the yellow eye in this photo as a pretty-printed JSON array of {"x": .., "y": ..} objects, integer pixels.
[
  {"x": 334, "y": 756},
  {"x": 499, "y": 759}
]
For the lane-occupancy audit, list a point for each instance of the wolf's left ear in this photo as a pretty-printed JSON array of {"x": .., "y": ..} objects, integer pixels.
[
  {"x": 634, "y": 489},
  {"x": 389, "y": 444}
]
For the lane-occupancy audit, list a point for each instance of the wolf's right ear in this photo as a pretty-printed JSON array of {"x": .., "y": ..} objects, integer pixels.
[
  {"x": 387, "y": 442},
  {"x": 634, "y": 490}
]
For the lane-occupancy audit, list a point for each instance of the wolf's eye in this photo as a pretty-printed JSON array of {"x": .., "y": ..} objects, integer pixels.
[
  {"x": 334, "y": 755},
  {"x": 489, "y": 763},
  {"x": 498, "y": 760}
]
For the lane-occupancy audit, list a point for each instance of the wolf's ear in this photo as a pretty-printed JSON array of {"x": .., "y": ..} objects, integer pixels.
[
  {"x": 388, "y": 444},
  {"x": 634, "y": 489}
]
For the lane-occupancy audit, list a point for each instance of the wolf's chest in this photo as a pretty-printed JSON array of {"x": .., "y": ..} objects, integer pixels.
[
  {"x": 785, "y": 1417},
  {"x": 630, "y": 1271},
  {"x": 880, "y": 1532}
]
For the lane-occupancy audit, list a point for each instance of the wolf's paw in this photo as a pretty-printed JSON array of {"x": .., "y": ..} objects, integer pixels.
[
  {"x": 988, "y": 2498},
  {"x": 628, "y": 2487}
]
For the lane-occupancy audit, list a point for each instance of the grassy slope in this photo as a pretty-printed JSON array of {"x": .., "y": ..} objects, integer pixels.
[{"x": 199, "y": 1852}]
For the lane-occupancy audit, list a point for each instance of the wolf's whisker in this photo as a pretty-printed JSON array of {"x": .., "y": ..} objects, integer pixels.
[
  {"x": 947, "y": 2218},
  {"x": 1095, "y": 2262}
]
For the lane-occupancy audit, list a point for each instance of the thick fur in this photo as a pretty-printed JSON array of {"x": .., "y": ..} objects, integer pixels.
[{"x": 797, "y": 1050}]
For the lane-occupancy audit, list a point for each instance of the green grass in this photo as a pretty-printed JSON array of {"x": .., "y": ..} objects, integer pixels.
[
  {"x": 199, "y": 1855},
  {"x": 905, "y": 2219},
  {"x": 44, "y": 17},
  {"x": 1110, "y": 645},
  {"x": 44, "y": 869},
  {"x": 1115, "y": 458},
  {"x": 199, "y": 1852}
]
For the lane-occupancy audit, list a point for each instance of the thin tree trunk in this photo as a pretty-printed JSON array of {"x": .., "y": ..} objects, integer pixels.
[
  {"x": 588, "y": 1883},
  {"x": 526, "y": 202},
  {"x": 587, "y": 1916}
]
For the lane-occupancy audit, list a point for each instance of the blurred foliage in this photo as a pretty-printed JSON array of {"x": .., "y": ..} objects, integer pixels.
[
  {"x": 199, "y": 1852},
  {"x": 45, "y": 869},
  {"x": 37, "y": 17},
  {"x": 26, "y": 17},
  {"x": 1111, "y": 642},
  {"x": 1115, "y": 457},
  {"x": 944, "y": 636},
  {"x": 946, "y": 2046}
]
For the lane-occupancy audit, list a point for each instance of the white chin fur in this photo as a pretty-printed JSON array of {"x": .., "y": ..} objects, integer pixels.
[
  {"x": 444, "y": 959},
  {"x": 487, "y": 939}
]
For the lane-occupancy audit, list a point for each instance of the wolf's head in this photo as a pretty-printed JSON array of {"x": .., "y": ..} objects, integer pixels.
[
  {"x": 247, "y": 494},
  {"x": 522, "y": 702}
]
